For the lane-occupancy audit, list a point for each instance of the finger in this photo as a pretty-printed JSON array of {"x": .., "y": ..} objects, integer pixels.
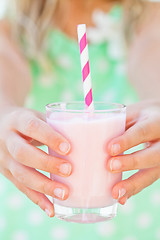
[
  {"x": 142, "y": 131},
  {"x": 33, "y": 157},
  {"x": 136, "y": 183},
  {"x": 30, "y": 140},
  {"x": 132, "y": 115},
  {"x": 123, "y": 200},
  {"x": 38, "y": 198},
  {"x": 40, "y": 131},
  {"x": 147, "y": 158},
  {"x": 37, "y": 181},
  {"x": 135, "y": 110}
]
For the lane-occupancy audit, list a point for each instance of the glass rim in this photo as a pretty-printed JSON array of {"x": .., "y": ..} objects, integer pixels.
[{"x": 117, "y": 107}]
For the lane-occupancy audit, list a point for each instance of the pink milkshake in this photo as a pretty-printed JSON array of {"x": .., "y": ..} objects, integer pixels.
[{"x": 90, "y": 183}]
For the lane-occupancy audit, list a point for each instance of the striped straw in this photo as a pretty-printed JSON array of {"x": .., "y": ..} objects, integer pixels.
[{"x": 87, "y": 82}]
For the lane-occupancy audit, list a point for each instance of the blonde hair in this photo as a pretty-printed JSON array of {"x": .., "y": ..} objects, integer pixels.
[
  {"x": 134, "y": 15},
  {"x": 32, "y": 18}
]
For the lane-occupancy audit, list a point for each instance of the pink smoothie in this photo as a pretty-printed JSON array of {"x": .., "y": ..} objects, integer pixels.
[{"x": 90, "y": 183}]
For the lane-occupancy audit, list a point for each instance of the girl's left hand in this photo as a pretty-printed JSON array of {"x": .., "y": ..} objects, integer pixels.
[{"x": 143, "y": 126}]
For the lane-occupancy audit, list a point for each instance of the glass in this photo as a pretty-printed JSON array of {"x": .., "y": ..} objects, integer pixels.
[{"x": 90, "y": 199}]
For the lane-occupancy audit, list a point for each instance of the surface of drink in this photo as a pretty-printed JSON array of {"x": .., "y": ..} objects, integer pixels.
[{"x": 90, "y": 183}]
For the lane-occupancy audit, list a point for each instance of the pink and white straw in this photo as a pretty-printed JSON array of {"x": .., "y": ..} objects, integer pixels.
[{"x": 87, "y": 82}]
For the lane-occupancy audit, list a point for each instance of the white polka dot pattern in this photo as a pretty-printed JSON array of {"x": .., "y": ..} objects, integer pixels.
[
  {"x": 102, "y": 65},
  {"x": 60, "y": 233},
  {"x": 144, "y": 220},
  {"x": 20, "y": 235},
  {"x": 106, "y": 229},
  {"x": 2, "y": 223},
  {"x": 128, "y": 208},
  {"x": 157, "y": 234},
  {"x": 155, "y": 198},
  {"x": 64, "y": 61},
  {"x": 35, "y": 217},
  {"x": 46, "y": 80},
  {"x": 15, "y": 201}
]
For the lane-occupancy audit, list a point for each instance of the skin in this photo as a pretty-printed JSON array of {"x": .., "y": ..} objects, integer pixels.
[
  {"x": 143, "y": 126},
  {"x": 143, "y": 118},
  {"x": 75, "y": 12},
  {"x": 21, "y": 135},
  {"x": 144, "y": 54}
]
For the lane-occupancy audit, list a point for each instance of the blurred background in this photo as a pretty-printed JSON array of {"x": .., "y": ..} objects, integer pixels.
[
  {"x": 3, "y": 5},
  {"x": 20, "y": 219}
]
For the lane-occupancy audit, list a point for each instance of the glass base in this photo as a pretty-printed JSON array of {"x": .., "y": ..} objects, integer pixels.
[{"x": 85, "y": 215}]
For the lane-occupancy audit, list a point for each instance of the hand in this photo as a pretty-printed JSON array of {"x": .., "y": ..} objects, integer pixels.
[
  {"x": 20, "y": 131},
  {"x": 143, "y": 126}
]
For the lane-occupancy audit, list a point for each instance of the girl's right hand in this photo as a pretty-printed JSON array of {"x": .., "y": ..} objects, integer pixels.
[{"x": 21, "y": 130}]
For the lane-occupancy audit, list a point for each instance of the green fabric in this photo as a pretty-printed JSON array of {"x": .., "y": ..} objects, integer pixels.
[
  {"x": 60, "y": 74},
  {"x": 58, "y": 78}
]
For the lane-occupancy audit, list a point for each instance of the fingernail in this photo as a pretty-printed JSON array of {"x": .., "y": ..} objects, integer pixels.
[
  {"x": 124, "y": 201},
  {"x": 65, "y": 168},
  {"x": 122, "y": 192},
  {"x": 64, "y": 147},
  {"x": 115, "y": 149},
  {"x": 115, "y": 164},
  {"x": 48, "y": 212},
  {"x": 59, "y": 192}
]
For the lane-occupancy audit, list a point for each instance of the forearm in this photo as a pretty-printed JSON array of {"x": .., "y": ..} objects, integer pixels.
[
  {"x": 144, "y": 55},
  {"x": 144, "y": 70},
  {"x": 15, "y": 79},
  {"x": 13, "y": 87}
]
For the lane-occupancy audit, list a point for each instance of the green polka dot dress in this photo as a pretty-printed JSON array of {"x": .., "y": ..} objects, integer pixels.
[
  {"x": 60, "y": 75},
  {"x": 59, "y": 79}
]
